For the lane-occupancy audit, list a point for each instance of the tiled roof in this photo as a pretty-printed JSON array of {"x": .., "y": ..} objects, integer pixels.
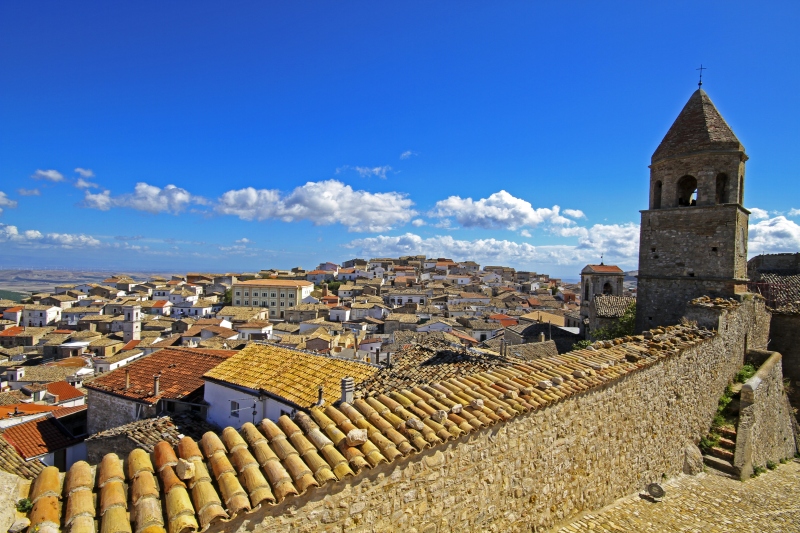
[
  {"x": 11, "y": 461},
  {"x": 38, "y": 437},
  {"x": 533, "y": 350},
  {"x": 402, "y": 318},
  {"x": 427, "y": 362},
  {"x": 11, "y": 397},
  {"x": 47, "y": 374},
  {"x": 607, "y": 306},
  {"x": 276, "y": 283},
  {"x": 150, "y": 431},
  {"x": 602, "y": 269},
  {"x": 289, "y": 374},
  {"x": 181, "y": 371},
  {"x": 64, "y": 391},
  {"x": 275, "y": 461},
  {"x": 699, "y": 127},
  {"x": 61, "y": 412}
]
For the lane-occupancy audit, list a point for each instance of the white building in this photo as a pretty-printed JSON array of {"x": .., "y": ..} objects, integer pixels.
[
  {"x": 40, "y": 315},
  {"x": 275, "y": 294}
]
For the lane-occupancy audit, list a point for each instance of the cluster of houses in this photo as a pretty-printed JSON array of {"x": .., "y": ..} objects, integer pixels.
[{"x": 81, "y": 364}]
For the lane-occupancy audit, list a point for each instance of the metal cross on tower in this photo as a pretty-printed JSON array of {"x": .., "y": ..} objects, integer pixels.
[{"x": 701, "y": 69}]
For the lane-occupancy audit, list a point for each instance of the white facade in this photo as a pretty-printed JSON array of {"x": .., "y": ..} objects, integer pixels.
[
  {"x": 234, "y": 407},
  {"x": 40, "y": 315}
]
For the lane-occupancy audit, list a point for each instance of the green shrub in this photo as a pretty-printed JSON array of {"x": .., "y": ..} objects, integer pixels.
[
  {"x": 758, "y": 470},
  {"x": 582, "y": 344},
  {"x": 706, "y": 443},
  {"x": 772, "y": 465},
  {"x": 24, "y": 505},
  {"x": 747, "y": 372}
]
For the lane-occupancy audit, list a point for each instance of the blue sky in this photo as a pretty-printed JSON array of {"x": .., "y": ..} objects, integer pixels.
[{"x": 210, "y": 136}]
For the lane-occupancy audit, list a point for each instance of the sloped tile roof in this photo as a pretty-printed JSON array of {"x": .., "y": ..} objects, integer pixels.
[
  {"x": 11, "y": 461},
  {"x": 607, "y": 306},
  {"x": 181, "y": 371},
  {"x": 283, "y": 459},
  {"x": 64, "y": 391},
  {"x": 150, "y": 431},
  {"x": 289, "y": 374},
  {"x": 38, "y": 437}
]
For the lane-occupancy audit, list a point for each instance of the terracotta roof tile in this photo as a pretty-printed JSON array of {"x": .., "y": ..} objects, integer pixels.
[
  {"x": 38, "y": 437},
  {"x": 273, "y": 461},
  {"x": 64, "y": 391},
  {"x": 181, "y": 371},
  {"x": 290, "y": 374},
  {"x": 608, "y": 306}
]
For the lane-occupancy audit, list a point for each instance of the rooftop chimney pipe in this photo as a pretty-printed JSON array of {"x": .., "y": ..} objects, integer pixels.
[
  {"x": 127, "y": 378},
  {"x": 348, "y": 385},
  {"x": 156, "y": 384},
  {"x": 320, "y": 400}
]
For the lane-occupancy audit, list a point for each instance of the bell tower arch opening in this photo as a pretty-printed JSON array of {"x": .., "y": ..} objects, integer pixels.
[
  {"x": 657, "y": 190},
  {"x": 686, "y": 191}
]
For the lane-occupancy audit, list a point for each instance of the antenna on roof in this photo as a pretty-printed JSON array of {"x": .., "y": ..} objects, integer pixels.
[
  {"x": 701, "y": 69},
  {"x": 601, "y": 257}
]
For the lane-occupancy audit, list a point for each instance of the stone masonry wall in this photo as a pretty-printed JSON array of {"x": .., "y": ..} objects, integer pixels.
[
  {"x": 784, "y": 333},
  {"x": 107, "y": 411},
  {"x": 541, "y": 467},
  {"x": 765, "y": 431},
  {"x": 686, "y": 252}
]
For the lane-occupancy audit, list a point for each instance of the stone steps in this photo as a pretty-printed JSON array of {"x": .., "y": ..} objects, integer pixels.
[
  {"x": 722, "y": 453},
  {"x": 728, "y": 433},
  {"x": 728, "y": 444},
  {"x": 720, "y": 464}
]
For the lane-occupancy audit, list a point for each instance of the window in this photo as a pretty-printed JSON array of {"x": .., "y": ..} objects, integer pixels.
[
  {"x": 237, "y": 293},
  {"x": 273, "y": 303},
  {"x": 235, "y": 409},
  {"x": 273, "y": 295},
  {"x": 282, "y": 304},
  {"x": 255, "y": 294},
  {"x": 255, "y": 302},
  {"x": 246, "y": 302},
  {"x": 291, "y": 295},
  {"x": 247, "y": 293},
  {"x": 283, "y": 295},
  {"x": 237, "y": 302}
]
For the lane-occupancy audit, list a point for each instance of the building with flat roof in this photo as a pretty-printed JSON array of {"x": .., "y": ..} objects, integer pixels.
[{"x": 275, "y": 294}]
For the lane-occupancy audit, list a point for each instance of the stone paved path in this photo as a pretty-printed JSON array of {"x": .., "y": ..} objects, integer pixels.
[{"x": 706, "y": 503}]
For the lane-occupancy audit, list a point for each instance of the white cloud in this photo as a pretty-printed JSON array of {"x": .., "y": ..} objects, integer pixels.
[
  {"x": 408, "y": 154},
  {"x": 525, "y": 233},
  {"x": 49, "y": 175},
  {"x": 501, "y": 210},
  {"x": 85, "y": 172},
  {"x": 28, "y": 192},
  {"x": 5, "y": 201},
  {"x": 145, "y": 197},
  {"x": 84, "y": 184},
  {"x": 574, "y": 213},
  {"x": 757, "y": 213},
  {"x": 37, "y": 238},
  {"x": 794, "y": 212},
  {"x": 773, "y": 236},
  {"x": 418, "y": 222},
  {"x": 243, "y": 240},
  {"x": 323, "y": 203},
  {"x": 368, "y": 172},
  {"x": 619, "y": 243}
]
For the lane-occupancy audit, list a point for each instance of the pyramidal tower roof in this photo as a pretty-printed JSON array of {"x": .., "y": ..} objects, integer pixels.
[{"x": 698, "y": 128}]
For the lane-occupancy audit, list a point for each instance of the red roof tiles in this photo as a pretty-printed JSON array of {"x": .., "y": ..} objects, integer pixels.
[
  {"x": 64, "y": 391},
  {"x": 12, "y": 331},
  {"x": 181, "y": 371},
  {"x": 38, "y": 437}
]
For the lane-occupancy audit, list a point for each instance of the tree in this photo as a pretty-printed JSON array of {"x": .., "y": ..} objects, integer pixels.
[
  {"x": 228, "y": 300},
  {"x": 333, "y": 286},
  {"x": 623, "y": 326}
]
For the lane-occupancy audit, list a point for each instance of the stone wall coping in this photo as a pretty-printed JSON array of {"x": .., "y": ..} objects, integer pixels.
[{"x": 750, "y": 386}]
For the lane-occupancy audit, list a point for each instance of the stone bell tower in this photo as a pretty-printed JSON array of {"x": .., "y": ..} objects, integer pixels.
[{"x": 693, "y": 237}]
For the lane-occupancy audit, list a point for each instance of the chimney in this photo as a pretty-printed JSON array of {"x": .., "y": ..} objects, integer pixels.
[
  {"x": 320, "y": 400},
  {"x": 348, "y": 385},
  {"x": 127, "y": 378},
  {"x": 541, "y": 336},
  {"x": 156, "y": 384}
]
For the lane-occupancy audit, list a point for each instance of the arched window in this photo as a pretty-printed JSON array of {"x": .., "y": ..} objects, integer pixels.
[
  {"x": 657, "y": 195},
  {"x": 722, "y": 189},
  {"x": 586, "y": 291},
  {"x": 687, "y": 191},
  {"x": 607, "y": 288}
]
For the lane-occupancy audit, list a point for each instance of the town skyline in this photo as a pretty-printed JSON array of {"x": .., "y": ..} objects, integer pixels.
[{"x": 266, "y": 137}]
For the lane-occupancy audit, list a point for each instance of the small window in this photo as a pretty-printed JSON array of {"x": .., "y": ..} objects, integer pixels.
[
  {"x": 237, "y": 293},
  {"x": 255, "y": 302},
  {"x": 255, "y": 294},
  {"x": 282, "y": 304},
  {"x": 246, "y": 302},
  {"x": 247, "y": 293},
  {"x": 273, "y": 295},
  {"x": 283, "y": 295},
  {"x": 235, "y": 409},
  {"x": 238, "y": 302}
]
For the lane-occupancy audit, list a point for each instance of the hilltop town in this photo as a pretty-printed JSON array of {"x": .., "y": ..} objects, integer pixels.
[{"x": 411, "y": 393}]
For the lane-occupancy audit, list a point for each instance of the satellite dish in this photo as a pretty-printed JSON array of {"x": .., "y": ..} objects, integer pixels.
[{"x": 655, "y": 490}]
